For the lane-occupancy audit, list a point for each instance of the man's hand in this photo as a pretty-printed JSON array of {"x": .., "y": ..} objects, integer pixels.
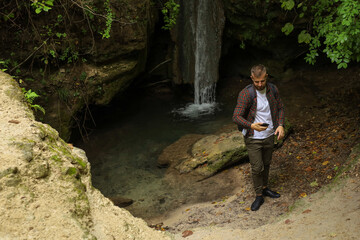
[
  {"x": 280, "y": 132},
  {"x": 258, "y": 127}
]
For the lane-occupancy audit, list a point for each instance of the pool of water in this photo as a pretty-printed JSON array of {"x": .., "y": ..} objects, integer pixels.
[{"x": 124, "y": 147}]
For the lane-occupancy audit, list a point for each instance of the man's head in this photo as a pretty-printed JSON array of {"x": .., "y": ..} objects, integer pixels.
[{"x": 259, "y": 76}]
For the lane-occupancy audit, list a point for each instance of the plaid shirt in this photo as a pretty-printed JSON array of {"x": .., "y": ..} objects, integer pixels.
[{"x": 244, "y": 103}]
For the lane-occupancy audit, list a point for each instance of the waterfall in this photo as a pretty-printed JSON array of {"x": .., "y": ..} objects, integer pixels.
[
  {"x": 205, "y": 80},
  {"x": 200, "y": 32}
]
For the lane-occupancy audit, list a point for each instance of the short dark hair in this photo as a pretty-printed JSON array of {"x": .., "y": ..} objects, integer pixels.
[{"x": 258, "y": 70}]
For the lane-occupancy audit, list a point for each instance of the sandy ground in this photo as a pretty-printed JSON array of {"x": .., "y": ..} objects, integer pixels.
[{"x": 332, "y": 213}]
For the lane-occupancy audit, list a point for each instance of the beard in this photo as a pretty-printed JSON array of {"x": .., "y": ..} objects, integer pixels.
[{"x": 260, "y": 88}]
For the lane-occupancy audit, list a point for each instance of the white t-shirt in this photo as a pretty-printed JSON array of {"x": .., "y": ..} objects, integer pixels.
[{"x": 263, "y": 114}]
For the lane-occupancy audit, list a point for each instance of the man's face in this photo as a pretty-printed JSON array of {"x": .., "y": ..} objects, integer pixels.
[{"x": 259, "y": 82}]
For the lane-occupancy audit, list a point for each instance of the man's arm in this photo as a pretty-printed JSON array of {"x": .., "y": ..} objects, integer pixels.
[
  {"x": 280, "y": 131},
  {"x": 243, "y": 102}
]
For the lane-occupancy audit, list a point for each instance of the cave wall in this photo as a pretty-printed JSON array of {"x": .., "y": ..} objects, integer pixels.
[
  {"x": 95, "y": 69},
  {"x": 112, "y": 67}
]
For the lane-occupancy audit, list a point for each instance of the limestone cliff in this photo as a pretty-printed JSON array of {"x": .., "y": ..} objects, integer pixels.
[{"x": 45, "y": 183}]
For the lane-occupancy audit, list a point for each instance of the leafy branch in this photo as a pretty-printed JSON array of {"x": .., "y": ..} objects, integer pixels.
[
  {"x": 170, "y": 11},
  {"x": 335, "y": 29},
  {"x": 43, "y": 5}
]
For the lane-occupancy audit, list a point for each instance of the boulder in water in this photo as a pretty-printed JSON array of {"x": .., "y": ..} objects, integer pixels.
[
  {"x": 213, "y": 153},
  {"x": 204, "y": 155}
]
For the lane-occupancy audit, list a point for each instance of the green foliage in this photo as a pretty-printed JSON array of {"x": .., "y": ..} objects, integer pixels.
[
  {"x": 288, "y": 28},
  {"x": 170, "y": 11},
  {"x": 287, "y": 4},
  {"x": 3, "y": 65},
  {"x": 43, "y": 5},
  {"x": 30, "y": 97},
  {"x": 335, "y": 29},
  {"x": 69, "y": 55},
  {"x": 6, "y": 64},
  {"x": 109, "y": 20},
  {"x": 8, "y": 16},
  {"x": 242, "y": 45},
  {"x": 304, "y": 37}
]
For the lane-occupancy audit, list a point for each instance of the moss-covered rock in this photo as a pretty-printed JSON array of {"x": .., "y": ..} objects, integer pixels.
[{"x": 213, "y": 153}]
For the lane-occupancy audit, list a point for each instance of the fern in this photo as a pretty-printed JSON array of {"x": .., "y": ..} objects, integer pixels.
[{"x": 30, "y": 97}]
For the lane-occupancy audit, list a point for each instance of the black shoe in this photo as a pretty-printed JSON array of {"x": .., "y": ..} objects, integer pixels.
[
  {"x": 269, "y": 193},
  {"x": 257, "y": 203}
]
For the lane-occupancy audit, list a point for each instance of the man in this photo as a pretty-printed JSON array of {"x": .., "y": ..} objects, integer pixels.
[{"x": 262, "y": 106}]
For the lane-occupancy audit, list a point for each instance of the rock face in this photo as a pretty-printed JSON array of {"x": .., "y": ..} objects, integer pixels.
[
  {"x": 207, "y": 155},
  {"x": 111, "y": 66},
  {"x": 98, "y": 85},
  {"x": 45, "y": 184}
]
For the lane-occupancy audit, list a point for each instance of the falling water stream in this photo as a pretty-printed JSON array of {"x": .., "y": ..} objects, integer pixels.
[
  {"x": 206, "y": 22},
  {"x": 205, "y": 79}
]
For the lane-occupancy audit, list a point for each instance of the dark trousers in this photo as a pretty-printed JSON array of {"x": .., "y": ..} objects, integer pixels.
[{"x": 260, "y": 153}]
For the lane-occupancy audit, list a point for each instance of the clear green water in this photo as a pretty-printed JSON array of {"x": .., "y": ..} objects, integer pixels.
[{"x": 124, "y": 147}]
